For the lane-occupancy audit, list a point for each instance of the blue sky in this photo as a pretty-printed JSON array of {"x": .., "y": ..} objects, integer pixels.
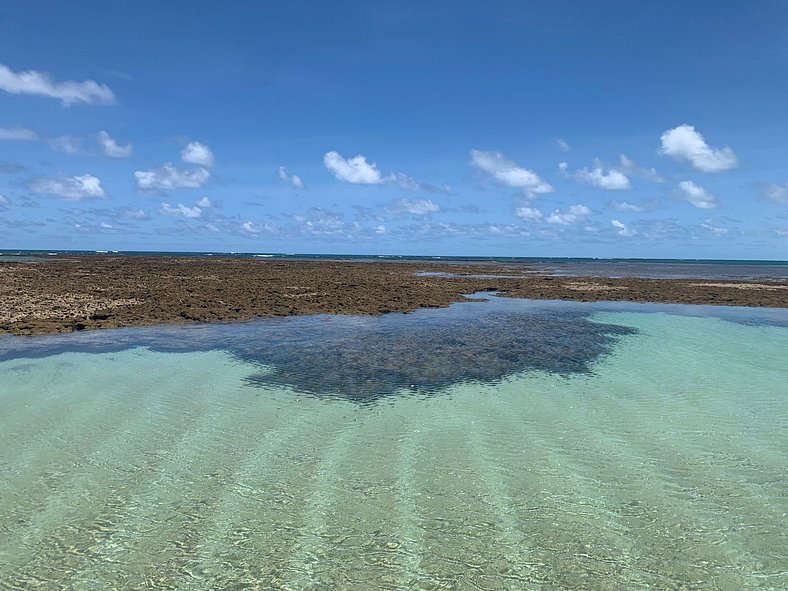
[{"x": 525, "y": 128}]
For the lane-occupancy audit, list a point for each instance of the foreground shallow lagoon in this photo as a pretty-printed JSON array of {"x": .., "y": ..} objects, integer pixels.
[{"x": 493, "y": 445}]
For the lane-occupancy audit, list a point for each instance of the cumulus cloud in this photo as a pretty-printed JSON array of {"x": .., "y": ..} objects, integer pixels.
[
  {"x": 777, "y": 193},
  {"x": 573, "y": 215},
  {"x": 205, "y": 203},
  {"x": 69, "y": 188},
  {"x": 356, "y": 170},
  {"x": 507, "y": 173},
  {"x": 166, "y": 177},
  {"x": 109, "y": 147},
  {"x": 180, "y": 210},
  {"x": 685, "y": 144},
  {"x": 414, "y": 206},
  {"x": 250, "y": 228},
  {"x": 528, "y": 213},
  {"x": 68, "y": 92},
  {"x": 18, "y": 134},
  {"x": 611, "y": 179},
  {"x": 293, "y": 179},
  {"x": 697, "y": 195},
  {"x": 622, "y": 229},
  {"x": 197, "y": 153}
]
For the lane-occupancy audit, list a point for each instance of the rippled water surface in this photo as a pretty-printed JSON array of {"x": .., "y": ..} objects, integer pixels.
[{"x": 498, "y": 445}]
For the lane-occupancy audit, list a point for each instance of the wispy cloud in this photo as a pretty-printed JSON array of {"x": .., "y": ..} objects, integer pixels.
[
  {"x": 109, "y": 147},
  {"x": 68, "y": 188},
  {"x": 69, "y": 92},
  {"x": 179, "y": 210},
  {"x": 562, "y": 144},
  {"x": 509, "y": 174},
  {"x": 609, "y": 179},
  {"x": 573, "y": 215},
  {"x": 293, "y": 179},
  {"x": 776, "y": 193},
  {"x": 18, "y": 134},
  {"x": 696, "y": 195},
  {"x": 414, "y": 206},
  {"x": 166, "y": 178},
  {"x": 622, "y": 229},
  {"x": 686, "y": 144}
]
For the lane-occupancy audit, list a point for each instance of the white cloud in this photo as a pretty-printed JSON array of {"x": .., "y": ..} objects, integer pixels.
[
  {"x": 356, "y": 170},
  {"x": 18, "y": 133},
  {"x": 622, "y": 229},
  {"x": 69, "y": 92},
  {"x": 507, "y": 173},
  {"x": 629, "y": 167},
  {"x": 573, "y": 215},
  {"x": 106, "y": 226},
  {"x": 611, "y": 179},
  {"x": 562, "y": 144},
  {"x": 625, "y": 206},
  {"x": 293, "y": 179},
  {"x": 381, "y": 229},
  {"x": 410, "y": 184},
  {"x": 132, "y": 214},
  {"x": 716, "y": 230},
  {"x": 4, "y": 200},
  {"x": 180, "y": 210},
  {"x": 697, "y": 195},
  {"x": 109, "y": 147},
  {"x": 68, "y": 144},
  {"x": 205, "y": 203},
  {"x": 250, "y": 228},
  {"x": 197, "y": 153},
  {"x": 69, "y": 188},
  {"x": 684, "y": 143},
  {"x": 777, "y": 193},
  {"x": 414, "y": 206},
  {"x": 167, "y": 177},
  {"x": 528, "y": 213}
]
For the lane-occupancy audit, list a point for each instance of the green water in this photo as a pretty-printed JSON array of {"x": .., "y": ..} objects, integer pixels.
[{"x": 665, "y": 468}]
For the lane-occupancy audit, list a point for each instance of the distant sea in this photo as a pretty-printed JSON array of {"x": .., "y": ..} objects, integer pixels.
[{"x": 593, "y": 267}]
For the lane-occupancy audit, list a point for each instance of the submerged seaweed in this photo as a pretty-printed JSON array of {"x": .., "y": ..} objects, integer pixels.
[{"x": 366, "y": 358}]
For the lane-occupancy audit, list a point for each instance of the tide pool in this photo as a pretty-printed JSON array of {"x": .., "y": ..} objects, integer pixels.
[{"x": 493, "y": 445}]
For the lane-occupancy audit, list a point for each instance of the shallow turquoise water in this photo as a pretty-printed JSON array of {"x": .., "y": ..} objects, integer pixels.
[{"x": 660, "y": 464}]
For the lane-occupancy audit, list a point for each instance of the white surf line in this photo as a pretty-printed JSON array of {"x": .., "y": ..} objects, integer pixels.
[{"x": 311, "y": 543}]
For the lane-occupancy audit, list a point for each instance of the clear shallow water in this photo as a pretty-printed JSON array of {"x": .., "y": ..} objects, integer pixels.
[{"x": 658, "y": 463}]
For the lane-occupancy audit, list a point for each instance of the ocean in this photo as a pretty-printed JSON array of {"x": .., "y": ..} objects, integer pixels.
[{"x": 495, "y": 444}]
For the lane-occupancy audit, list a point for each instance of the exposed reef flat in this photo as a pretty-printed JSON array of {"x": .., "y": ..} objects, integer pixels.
[{"x": 89, "y": 292}]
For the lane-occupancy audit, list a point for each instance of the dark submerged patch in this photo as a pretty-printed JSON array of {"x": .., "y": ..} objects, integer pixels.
[{"x": 364, "y": 359}]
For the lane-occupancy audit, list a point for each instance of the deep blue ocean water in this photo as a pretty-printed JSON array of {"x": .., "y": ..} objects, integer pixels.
[{"x": 614, "y": 267}]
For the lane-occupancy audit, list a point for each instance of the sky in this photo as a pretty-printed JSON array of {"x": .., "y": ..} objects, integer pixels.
[{"x": 506, "y": 128}]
